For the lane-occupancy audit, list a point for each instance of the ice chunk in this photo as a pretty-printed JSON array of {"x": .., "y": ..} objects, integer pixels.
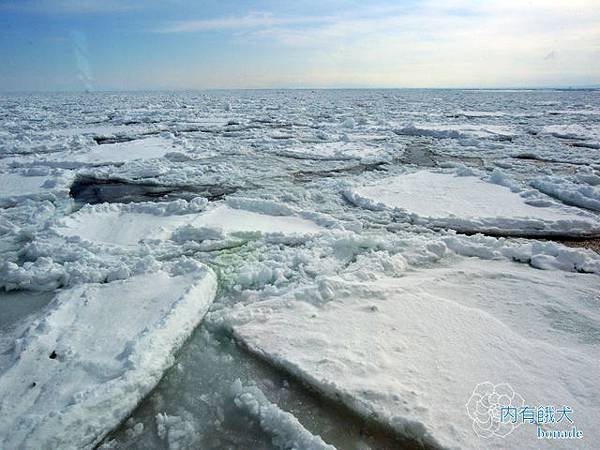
[
  {"x": 177, "y": 431},
  {"x": 123, "y": 225},
  {"x": 584, "y": 135},
  {"x": 287, "y": 432},
  {"x": 127, "y": 225},
  {"x": 84, "y": 366},
  {"x": 469, "y": 204},
  {"x": 15, "y": 187},
  {"x": 457, "y": 131},
  {"x": 570, "y": 192},
  {"x": 409, "y": 351},
  {"x": 232, "y": 220},
  {"x": 114, "y": 153}
]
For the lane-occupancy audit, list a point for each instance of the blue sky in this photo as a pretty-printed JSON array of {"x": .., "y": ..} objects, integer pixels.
[{"x": 181, "y": 44}]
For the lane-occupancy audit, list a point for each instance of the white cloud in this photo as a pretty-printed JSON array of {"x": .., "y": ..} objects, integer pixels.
[
  {"x": 252, "y": 20},
  {"x": 450, "y": 43}
]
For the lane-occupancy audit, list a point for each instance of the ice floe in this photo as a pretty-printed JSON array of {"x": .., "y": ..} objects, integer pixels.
[
  {"x": 234, "y": 220},
  {"x": 470, "y": 204},
  {"x": 338, "y": 150},
  {"x": 582, "y": 190},
  {"x": 287, "y": 432},
  {"x": 130, "y": 224},
  {"x": 113, "y": 153},
  {"x": 408, "y": 352},
  {"x": 94, "y": 353},
  {"x": 17, "y": 187},
  {"x": 579, "y": 135},
  {"x": 458, "y": 131}
]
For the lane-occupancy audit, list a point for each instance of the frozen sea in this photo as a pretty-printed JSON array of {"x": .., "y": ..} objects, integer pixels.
[{"x": 300, "y": 269}]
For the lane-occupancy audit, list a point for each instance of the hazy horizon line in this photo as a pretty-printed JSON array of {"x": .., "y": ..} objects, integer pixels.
[{"x": 321, "y": 88}]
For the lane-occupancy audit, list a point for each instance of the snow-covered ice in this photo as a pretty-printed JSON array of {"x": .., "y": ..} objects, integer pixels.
[
  {"x": 93, "y": 353},
  {"x": 408, "y": 351},
  {"x": 125, "y": 225},
  {"x": 457, "y": 131},
  {"x": 128, "y": 225},
  {"x": 17, "y": 187},
  {"x": 116, "y": 153},
  {"x": 469, "y": 204},
  {"x": 286, "y": 430},
  {"x": 582, "y": 190},
  {"x": 297, "y": 269},
  {"x": 579, "y": 135}
]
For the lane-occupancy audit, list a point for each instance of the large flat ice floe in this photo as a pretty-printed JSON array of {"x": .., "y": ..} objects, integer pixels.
[
  {"x": 234, "y": 220},
  {"x": 17, "y": 187},
  {"x": 96, "y": 351},
  {"x": 408, "y": 352},
  {"x": 114, "y": 153},
  {"x": 470, "y": 204},
  {"x": 337, "y": 150},
  {"x": 121, "y": 225},
  {"x": 128, "y": 225},
  {"x": 457, "y": 131}
]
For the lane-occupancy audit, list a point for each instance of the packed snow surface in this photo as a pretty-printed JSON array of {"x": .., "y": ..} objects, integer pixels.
[
  {"x": 85, "y": 363},
  {"x": 238, "y": 220},
  {"x": 112, "y": 226},
  {"x": 409, "y": 351},
  {"x": 467, "y": 203},
  {"x": 16, "y": 187},
  {"x": 459, "y": 131},
  {"x": 128, "y": 226},
  {"x": 297, "y": 269}
]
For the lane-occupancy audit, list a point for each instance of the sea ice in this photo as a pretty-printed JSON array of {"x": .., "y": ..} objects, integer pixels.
[
  {"x": 457, "y": 131},
  {"x": 16, "y": 187},
  {"x": 287, "y": 432},
  {"x": 94, "y": 353},
  {"x": 409, "y": 351},
  {"x": 113, "y": 154},
  {"x": 128, "y": 225},
  {"x": 581, "y": 135},
  {"x": 234, "y": 220},
  {"x": 470, "y": 204},
  {"x": 377, "y": 302},
  {"x": 572, "y": 192}
]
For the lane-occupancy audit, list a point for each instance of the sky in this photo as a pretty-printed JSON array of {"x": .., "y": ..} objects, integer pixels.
[{"x": 55, "y": 45}]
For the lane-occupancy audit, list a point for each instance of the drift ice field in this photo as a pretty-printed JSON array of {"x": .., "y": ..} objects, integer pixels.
[{"x": 298, "y": 269}]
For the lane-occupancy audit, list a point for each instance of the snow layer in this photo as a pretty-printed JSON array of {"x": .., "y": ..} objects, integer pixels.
[
  {"x": 572, "y": 192},
  {"x": 114, "y": 153},
  {"x": 582, "y": 135},
  {"x": 233, "y": 220},
  {"x": 457, "y": 131},
  {"x": 469, "y": 204},
  {"x": 84, "y": 365},
  {"x": 17, "y": 187},
  {"x": 409, "y": 351},
  {"x": 128, "y": 225},
  {"x": 125, "y": 226}
]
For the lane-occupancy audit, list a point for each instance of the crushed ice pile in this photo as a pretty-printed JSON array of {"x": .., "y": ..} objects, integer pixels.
[{"x": 298, "y": 269}]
